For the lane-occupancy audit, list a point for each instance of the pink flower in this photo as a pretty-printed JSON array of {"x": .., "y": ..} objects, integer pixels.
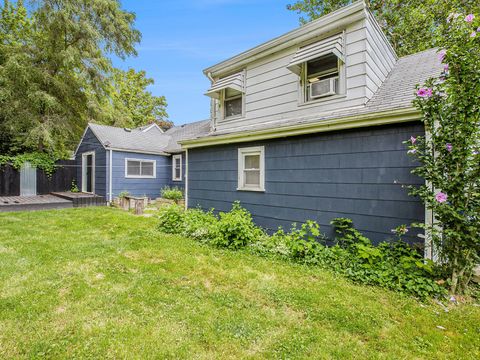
[
  {"x": 469, "y": 18},
  {"x": 473, "y": 34},
  {"x": 413, "y": 139},
  {"x": 441, "y": 197},
  {"x": 449, "y": 147},
  {"x": 446, "y": 67},
  {"x": 424, "y": 92},
  {"x": 442, "y": 54}
]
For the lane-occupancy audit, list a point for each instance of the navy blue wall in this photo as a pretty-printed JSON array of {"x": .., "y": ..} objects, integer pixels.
[
  {"x": 355, "y": 174},
  {"x": 91, "y": 143},
  {"x": 140, "y": 187}
]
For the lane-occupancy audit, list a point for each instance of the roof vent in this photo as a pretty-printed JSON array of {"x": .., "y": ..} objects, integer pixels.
[
  {"x": 127, "y": 129},
  {"x": 107, "y": 143}
]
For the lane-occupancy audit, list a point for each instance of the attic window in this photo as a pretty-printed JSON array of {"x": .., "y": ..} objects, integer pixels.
[
  {"x": 229, "y": 91},
  {"x": 321, "y": 77},
  {"x": 232, "y": 103},
  {"x": 319, "y": 67}
]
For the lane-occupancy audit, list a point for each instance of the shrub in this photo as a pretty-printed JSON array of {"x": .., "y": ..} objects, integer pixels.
[
  {"x": 303, "y": 243},
  {"x": 172, "y": 219},
  {"x": 200, "y": 225},
  {"x": 236, "y": 228},
  {"x": 172, "y": 193}
]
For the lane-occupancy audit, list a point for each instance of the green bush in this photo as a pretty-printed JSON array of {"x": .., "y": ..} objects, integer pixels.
[
  {"x": 172, "y": 219},
  {"x": 200, "y": 225},
  {"x": 303, "y": 243},
  {"x": 236, "y": 228},
  {"x": 172, "y": 193}
]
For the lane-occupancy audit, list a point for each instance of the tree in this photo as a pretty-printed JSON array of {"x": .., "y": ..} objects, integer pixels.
[
  {"x": 410, "y": 25},
  {"x": 54, "y": 69},
  {"x": 131, "y": 104},
  {"x": 449, "y": 155}
]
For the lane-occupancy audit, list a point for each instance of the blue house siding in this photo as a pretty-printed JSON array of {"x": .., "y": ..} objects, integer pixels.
[
  {"x": 355, "y": 174},
  {"x": 140, "y": 187},
  {"x": 91, "y": 143}
]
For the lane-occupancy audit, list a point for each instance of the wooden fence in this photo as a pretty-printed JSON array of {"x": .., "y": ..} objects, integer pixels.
[{"x": 61, "y": 179}]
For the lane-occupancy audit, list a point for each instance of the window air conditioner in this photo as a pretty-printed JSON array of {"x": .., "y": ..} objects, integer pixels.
[{"x": 323, "y": 88}]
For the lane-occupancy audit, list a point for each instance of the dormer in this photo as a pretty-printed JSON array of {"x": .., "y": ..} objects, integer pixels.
[{"x": 331, "y": 64}]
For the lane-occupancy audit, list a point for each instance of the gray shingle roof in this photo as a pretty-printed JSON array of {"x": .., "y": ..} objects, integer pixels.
[
  {"x": 153, "y": 141},
  {"x": 187, "y": 131},
  {"x": 397, "y": 91}
]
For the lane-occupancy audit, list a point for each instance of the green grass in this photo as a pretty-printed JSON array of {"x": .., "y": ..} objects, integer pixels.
[{"x": 102, "y": 283}]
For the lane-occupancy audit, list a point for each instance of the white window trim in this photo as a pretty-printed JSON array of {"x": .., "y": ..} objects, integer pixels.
[
  {"x": 302, "y": 98},
  {"x": 84, "y": 164},
  {"x": 225, "y": 99},
  {"x": 256, "y": 150},
  {"x": 174, "y": 158},
  {"x": 154, "y": 162}
]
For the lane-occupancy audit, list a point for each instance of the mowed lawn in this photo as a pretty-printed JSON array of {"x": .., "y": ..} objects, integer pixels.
[{"x": 102, "y": 283}]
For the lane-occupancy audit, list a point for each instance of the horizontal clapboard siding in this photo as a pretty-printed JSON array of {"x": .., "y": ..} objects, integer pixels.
[
  {"x": 380, "y": 57},
  {"x": 140, "y": 187},
  {"x": 272, "y": 91},
  {"x": 91, "y": 143},
  {"x": 355, "y": 174}
]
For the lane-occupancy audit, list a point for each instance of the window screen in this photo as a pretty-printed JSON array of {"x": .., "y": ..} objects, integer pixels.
[{"x": 140, "y": 168}]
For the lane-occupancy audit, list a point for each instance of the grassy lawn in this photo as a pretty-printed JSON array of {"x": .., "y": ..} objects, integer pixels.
[{"x": 102, "y": 283}]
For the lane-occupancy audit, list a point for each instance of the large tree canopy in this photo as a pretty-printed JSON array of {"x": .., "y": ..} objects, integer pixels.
[
  {"x": 410, "y": 25},
  {"x": 56, "y": 74},
  {"x": 131, "y": 104}
]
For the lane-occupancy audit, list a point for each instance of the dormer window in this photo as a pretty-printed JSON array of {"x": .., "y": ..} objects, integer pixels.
[
  {"x": 232, "y": 103},
  {"x": 319, "y": 67},
  {"x": 321, "y": 77},
  {"x": 229, "y": 91}
]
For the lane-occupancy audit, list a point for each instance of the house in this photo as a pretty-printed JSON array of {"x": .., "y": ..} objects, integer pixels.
[
  {"x": 141, "y": 161},
  {"x": 310, "y": 125}
]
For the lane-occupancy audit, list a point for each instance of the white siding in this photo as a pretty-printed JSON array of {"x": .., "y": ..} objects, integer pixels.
[{"x": 273, "y": 92}]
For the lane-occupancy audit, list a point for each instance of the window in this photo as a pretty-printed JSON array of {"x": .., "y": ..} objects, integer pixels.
[
  {"x": 177, "y": 168},
  {"x": 321, "y": 77},
  {"x": 251, "y": 169},
  {"x": 233, "y": 103},
  {"x": 138, "y": 168}
]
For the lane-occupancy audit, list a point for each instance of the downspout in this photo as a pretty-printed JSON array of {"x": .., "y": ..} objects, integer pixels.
[
  {"x": 213, "y": 105},
  {"x": 186, "y": 179},
  {"x": 110, "y": 195}
]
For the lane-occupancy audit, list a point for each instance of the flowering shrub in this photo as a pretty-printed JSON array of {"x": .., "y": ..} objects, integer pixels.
[{"x": 449, "y": 154}]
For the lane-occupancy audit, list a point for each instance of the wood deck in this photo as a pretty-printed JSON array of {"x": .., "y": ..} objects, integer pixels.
[
  {"x": 60, "y": 200},
  {"x": 39, "y": 202}
]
